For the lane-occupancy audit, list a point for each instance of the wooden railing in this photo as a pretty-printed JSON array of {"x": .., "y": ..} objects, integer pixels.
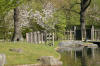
[
  {"x": 35, "y": 37},
  {"x": 70, "y": 35},
  {"x": 39, "y": 37},
  {"x": 73, "y": 35}
]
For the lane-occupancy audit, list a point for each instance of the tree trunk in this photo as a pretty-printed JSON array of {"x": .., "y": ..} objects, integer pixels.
[
  {"x": 17, "y": 35},
  {"x": 84, "y": 5},
  {"x": 83, "y": 29}
]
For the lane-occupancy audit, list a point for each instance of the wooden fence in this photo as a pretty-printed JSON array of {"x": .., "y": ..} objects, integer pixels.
[
  {"x": 39, "y": 37},
  {"x": 95, "y": 34},
  {"x": 35, "y": 37},
  {"x": 75, "y": 34},
  {"x": 72, "y": 34}
]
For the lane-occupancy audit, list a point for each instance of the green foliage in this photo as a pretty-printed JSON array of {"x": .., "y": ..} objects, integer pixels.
[
  {"x": 34, "y": 4},
  {"x": 97, "y": 2},
  {"x": 93, "y": 11},
  {"x": 6, "y": 5},
  {"x": 25, "y": 30},
  {"x": 34, "y": 26},
  {"x": 60, "y": 16},
  {"x": 61, "y": 24}
]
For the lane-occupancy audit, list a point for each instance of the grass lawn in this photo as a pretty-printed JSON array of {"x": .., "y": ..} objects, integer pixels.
[{"x": 30, "y": 53}]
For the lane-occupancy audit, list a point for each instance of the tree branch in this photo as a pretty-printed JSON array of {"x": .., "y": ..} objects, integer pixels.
[
  {"x": 73, "y": 11},
  {"x": 86, "y": 3}
]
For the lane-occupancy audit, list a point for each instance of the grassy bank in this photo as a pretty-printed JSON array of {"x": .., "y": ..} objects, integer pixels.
[{"x": 30, "y": 53}]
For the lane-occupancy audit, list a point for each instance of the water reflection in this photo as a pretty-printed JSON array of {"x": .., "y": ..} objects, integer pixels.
[{"x": 80, "y": 57}]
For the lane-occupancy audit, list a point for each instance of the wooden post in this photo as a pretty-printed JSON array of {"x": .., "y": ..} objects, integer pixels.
[
  {"x": 38, "y": 37},
  {"x": 35, "y": 37},
  {"x": 45, "y": 37},
  {"x": 92, "y": 33},
  {"x": 66, "y": 35},
  {"x": 41, "y": 37},
  {"x": 74, "y": 32},
  {"x": 53, "y": 38},
  {"x": 31, "y": 37},
  {"x": 97, "y": 35},
  {"x": 27, "y": 37},
  {"x": 70, "y": 34}
]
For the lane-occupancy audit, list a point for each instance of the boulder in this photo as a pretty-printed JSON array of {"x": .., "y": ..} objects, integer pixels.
[
  {"x": 70, "y": 44},
  {"x": 2, "y": 59},
  {"x": 18, "y": 50},
  {"x": 50, "y": 61},
  {"x": 61, "y": 50}
]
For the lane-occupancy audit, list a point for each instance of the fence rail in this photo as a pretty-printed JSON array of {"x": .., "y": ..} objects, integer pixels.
[
  {"x": 70, "y": 35},
  {"x": 92, "y": 34},
  {"x": 96, "y": 34},
  {"x": 39, "y": 37},
  {"x": 35, "y": 37}
]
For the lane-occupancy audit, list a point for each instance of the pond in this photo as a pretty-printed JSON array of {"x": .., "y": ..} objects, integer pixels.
[{"x": 83, "y": 56}]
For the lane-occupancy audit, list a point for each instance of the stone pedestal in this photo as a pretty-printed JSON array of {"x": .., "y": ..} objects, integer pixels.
[
  {"x": 50, "y": 61},
  {"x": 2, "y": 59}
]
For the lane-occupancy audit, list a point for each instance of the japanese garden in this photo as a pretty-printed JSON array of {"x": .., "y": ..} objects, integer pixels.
[{"x": 49, "y": 32}]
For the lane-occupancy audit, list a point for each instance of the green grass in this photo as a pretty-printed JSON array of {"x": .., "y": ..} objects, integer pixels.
[{"x": 30, "y": 53}]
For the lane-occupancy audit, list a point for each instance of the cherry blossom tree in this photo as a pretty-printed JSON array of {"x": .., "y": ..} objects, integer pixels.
[{"x": 45, "y": 18}]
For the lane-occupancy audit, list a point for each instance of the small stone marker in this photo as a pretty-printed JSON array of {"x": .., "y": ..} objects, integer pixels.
[
  {"x": 2, "y": 59},
  {"x": 50, "y": 61},
  {"x": 18, "y": 50}
]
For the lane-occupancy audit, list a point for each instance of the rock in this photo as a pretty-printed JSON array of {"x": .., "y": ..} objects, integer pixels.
[
  {"x": 18, "y": 50},
  {"x": 92, "y": 46},
  {"x": 70, "y": 44},
  {"x": 74, "y": 46},
  {"x": 2, "y": 59},
  {"x": 50, "y": 61},
  {"x": 61, "y": 50}
]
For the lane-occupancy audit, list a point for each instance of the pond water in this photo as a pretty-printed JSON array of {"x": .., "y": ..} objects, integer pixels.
[{"x": 81, "y": 57}]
